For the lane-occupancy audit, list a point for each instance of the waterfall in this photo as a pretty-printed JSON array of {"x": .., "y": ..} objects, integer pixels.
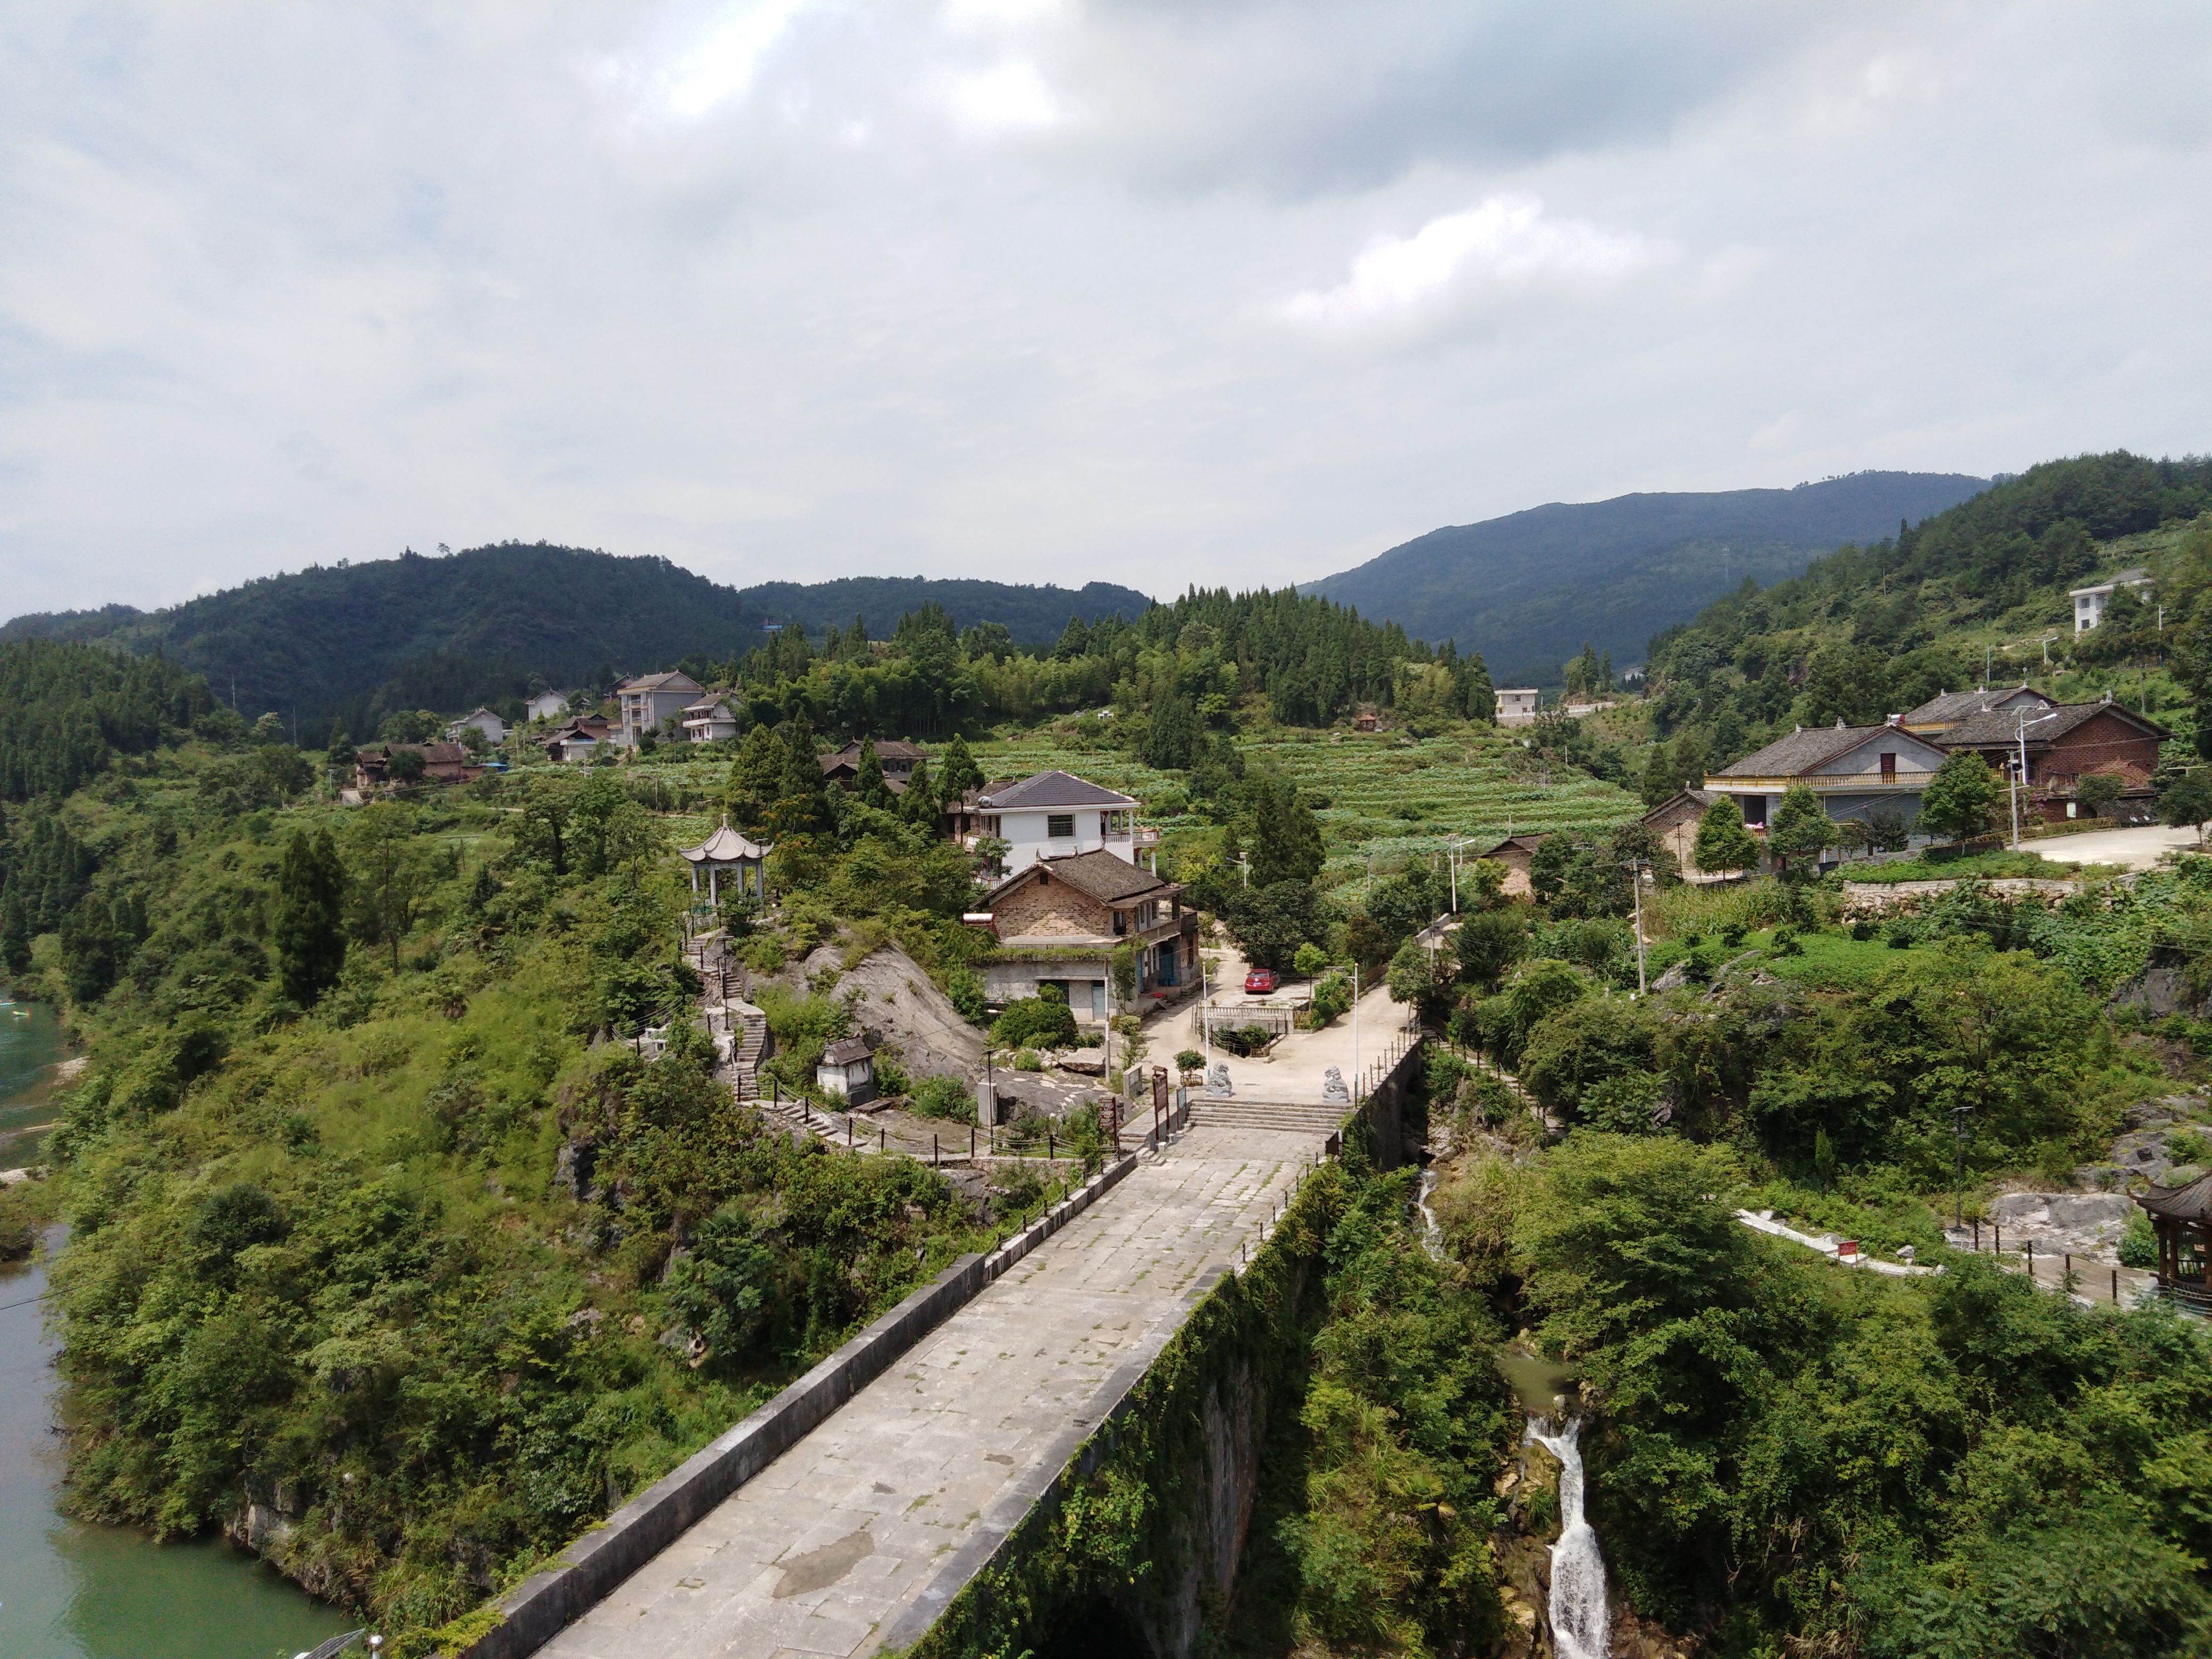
[
  {"x": 1580, "y": 1625},
  {"x": 1432, "y": 1238}
]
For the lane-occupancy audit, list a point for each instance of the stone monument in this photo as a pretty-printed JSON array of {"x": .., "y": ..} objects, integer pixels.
[
  {"x": 1333, "y": 1090},
  {"x": 1217, "y": 1082}
]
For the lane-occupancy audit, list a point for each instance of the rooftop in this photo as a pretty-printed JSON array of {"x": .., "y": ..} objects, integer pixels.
[
  {"x": 1807, "y": 749},
  {"x": 1106, "y": 877},
  {"x": 1053, "y": 789},
  {"x": 1950, "y": 706},
  {"x": 2000, "y": 726}
]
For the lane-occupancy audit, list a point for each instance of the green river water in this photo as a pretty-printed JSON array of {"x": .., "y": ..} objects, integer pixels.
[{"x": 72, "y": 1591}]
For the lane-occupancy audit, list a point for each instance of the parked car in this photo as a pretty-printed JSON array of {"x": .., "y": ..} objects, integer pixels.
[{"x": 1259, "y": 982}]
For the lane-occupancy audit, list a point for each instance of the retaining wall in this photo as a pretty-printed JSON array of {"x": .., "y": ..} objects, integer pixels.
[{"x": 535, "y": 1611}]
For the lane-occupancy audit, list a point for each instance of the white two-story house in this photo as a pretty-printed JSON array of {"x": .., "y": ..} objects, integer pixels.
[{"x": 1053, "y": 814}]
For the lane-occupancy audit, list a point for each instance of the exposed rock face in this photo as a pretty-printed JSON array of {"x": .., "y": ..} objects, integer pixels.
[
  {"x": 2086, "y": 1224},
  {"x": 894, "y": 1001},
  {"x": 2162, "y": 988}
]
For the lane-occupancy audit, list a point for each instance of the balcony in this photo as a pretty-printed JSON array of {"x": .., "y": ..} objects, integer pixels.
[{"x": 1839, "y": 782}]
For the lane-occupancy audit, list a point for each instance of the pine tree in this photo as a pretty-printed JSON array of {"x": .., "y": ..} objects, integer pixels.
[
  {"x": 1285, "y": 836},
  {"x": 918, "y": 805},
  {"x": 961, "y": 772},
  {"x": 310, "y": 922},
  {"x": 868, "y": 783},
  {"x": 1722, "y": 843},
  {"x": 802, "y": 805},
  {"x": 756, "y": 778}
]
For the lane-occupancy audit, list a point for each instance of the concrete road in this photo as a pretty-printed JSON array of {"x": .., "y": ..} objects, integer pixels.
[
  {"x": 2138, "y": 849},
  {"x": 882, "y": 1512}
]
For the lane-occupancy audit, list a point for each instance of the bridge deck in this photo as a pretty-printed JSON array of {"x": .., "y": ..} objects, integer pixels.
[{"x": 884, "y": 1512}]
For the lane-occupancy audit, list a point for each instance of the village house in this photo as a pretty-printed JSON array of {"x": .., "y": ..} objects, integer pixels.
[
  {"x": 2066, "y": 743},
  {"x": 1516, "y": 852},
  {"x": 2089, "y": 603},
  {"x": 709, "y": 719},
  {"x": 580, "y": 739},
  {"x": 1857, "y": 771},
  {"x": 650, "y": 699},
  {"x": 1946, "y": 709},
  {"x": 1058, "y": 921},
  {"x": 896, "y": 757},
  {"x": 548, "y": 705},
  {"x": 1052, "y": 815},
  {"x": 493, "y": 727},
  {"x": 1676, "y": 823},
  {"x": 1519, "y": 706},
  {"x": 442, "y": 763},
  {"x": 848, "y": 1068}
]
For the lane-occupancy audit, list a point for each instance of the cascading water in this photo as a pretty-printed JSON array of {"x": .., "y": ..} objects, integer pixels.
[
  {"x": 1432, "y": 1238},
  {"x": 1581, "y": 1627}
]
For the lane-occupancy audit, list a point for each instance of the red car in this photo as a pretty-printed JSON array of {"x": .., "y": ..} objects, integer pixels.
[{"x": 1259, "y": 982}]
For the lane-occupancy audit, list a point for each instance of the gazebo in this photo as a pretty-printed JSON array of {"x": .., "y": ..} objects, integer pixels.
[
  {"x": 727, "y": 850},
  {"x": 2182, "y": 1218}
]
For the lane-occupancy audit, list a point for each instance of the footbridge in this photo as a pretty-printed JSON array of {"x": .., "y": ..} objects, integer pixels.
[{"x": 845, "y": 1517}]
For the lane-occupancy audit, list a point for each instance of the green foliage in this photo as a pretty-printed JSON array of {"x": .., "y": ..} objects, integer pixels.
[
  {"x": 309, "y": 927},
  {"x": 1801, "y": 828},
  {"x": 1044, "y": 1021},
  {"x": 964, "y": 987},
  {"x": 1722, "y": 843},
  {"x": 1961, "y": 800},
  {"x": 72, "y": 708},
  {"x": 1331, "y": 997},
  {"x": 1271, "y": 922},
  {"x": 2188, "y": 799}
]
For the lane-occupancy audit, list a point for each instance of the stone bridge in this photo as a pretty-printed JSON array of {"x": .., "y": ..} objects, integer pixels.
[{"x": 843, "y": 1518}]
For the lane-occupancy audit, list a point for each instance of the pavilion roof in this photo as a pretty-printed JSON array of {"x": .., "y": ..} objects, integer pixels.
[
  {"x": 727, "y": 846},
  {"x": 2190, "y": 1203}
]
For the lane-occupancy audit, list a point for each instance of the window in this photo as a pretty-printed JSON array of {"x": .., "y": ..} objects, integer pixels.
[
  {"x": 1754, "y": 811},
  {"x": 1059, "y": 826},
  {"x": 1889, "y": 768}
]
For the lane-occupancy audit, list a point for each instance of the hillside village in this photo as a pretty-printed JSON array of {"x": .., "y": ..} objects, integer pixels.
[{"x": 561, "y": 1098}]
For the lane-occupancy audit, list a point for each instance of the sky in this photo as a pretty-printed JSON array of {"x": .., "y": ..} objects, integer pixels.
[{"x": 1232, "y": 292}]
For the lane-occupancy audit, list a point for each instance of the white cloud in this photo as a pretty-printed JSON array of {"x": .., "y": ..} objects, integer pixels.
[
  {"x": 1009, "y": 97},
  {"x": 1505, "y": 243},
  {"x": 722, "y": 67}
]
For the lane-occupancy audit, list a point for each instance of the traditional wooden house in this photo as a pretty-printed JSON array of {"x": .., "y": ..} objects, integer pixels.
[
  {"x": 442, "y": 763},
  {"x": 1059, "y": 920},
  {"x": 2182, "y": 1218},
  {"x": 848, "y": 1068},
  {"x": 896, "y": 756},
  {"x": 2065, "y": 743}
]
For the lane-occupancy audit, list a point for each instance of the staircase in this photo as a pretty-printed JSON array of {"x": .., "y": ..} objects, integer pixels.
[{"x": 1283, "y": 1117}]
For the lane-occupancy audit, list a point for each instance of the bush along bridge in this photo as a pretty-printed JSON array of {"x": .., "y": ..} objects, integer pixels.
[{"x": 1063, "y": 1433}]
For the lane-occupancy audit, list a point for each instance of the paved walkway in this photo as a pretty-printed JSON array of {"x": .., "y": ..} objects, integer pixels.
[
  {"x": 1296, "y": 1065},
  {"x": 2138, "y": 849},
  {"x": 825, "y": 1550}
]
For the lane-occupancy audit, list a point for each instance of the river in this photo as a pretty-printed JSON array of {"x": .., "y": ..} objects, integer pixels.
[{"x": 73, "y": 1591}]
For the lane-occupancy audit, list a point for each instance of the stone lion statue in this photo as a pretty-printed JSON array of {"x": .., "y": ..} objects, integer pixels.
[
  {"x": 1333, "y": 1091},
  {"x": 1216, "y": 1081}
]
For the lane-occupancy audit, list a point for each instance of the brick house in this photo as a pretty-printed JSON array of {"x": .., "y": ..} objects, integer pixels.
[
  {"x": 579, "y": 739},
  {"x": 1676, "y": 823},
  {"x": 1942, "y": 712},
  {"x": 1058, "y": 922},
  {"x": 1515, "y": 852},
  {"x": 2069, "y": 742}
]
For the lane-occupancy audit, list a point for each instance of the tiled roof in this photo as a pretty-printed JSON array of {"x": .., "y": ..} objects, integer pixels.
[
  {"x": 1803, "y": 750},
  {"x": 1518, "y": 843},
  {"x": 2003, "y": 726},
  {"x": 1105, "y": 878},
  {"x": 850, "y": 1051},
  {"x": 674, "y": 680},
  {"x": 1054, "y": 789},
  {"x": 1699, "y": 798},
  {"x": 2190, "y": 1203},
  {"x": 1958, "y": 705}
]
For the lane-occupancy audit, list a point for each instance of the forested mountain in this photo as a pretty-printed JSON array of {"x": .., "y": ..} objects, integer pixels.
[
  {"x": 356, "y": 640},
  {"x": 1529, "y": 589},
  {"x": 1031, "y": 615}
]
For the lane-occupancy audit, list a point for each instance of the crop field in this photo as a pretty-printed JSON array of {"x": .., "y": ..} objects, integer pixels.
[{"x": 1387, "y": 797}]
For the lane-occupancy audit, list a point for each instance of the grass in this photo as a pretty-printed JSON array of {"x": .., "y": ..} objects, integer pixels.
[
  {"x": 1827, "y": 962},
  {"x": 1981, "y": 866}
]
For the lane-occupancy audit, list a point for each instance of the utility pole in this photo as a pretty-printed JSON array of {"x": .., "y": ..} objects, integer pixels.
[
  {"x": 1636, "y": 868},
  {"x": 2020, "y": 770},
  {"x": 1958, "y": 1199}
]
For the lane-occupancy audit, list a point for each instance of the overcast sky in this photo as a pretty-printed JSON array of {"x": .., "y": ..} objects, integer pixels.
[{"x": 1192, "y": 290}]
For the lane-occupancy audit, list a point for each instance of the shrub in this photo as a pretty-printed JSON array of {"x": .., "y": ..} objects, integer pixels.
[
  {"x": 1189, "y": 1061},
  {"x": 1331, "y": 996},
  {"x": 1029, "y": 1061},
  {"x": 965, "y": 988},
  {"x": 1042, "y": 1021},
  {"x": 944, "y": 1095},
  {"x": 2139, "y": 1244}
]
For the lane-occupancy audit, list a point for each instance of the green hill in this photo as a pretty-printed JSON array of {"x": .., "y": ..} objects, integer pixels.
[
  {"x": 1530, "y": 589},
  {"x": 355, "y": 640}
]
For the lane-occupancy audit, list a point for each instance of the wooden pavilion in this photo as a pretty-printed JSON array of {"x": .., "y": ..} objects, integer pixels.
[
  {"x": 726, "y": 851},
  {"x": 2182, "y": 1218}
]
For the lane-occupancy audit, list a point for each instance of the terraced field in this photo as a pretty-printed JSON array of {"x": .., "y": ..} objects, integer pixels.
[{"x": 1387, "y": 798}]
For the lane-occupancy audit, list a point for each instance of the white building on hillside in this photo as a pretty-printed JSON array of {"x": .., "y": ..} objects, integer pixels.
[
  {"x": 650, "y": 699},
  {"x": 547, "y": 705},
  {"x": 1053, "y": 814},
  {"x": 1518, "y": 707},
  {"x": 493, "y": 727},
  {"x": 2089, "y": 603},
  {"x": 710, "y": 720}
]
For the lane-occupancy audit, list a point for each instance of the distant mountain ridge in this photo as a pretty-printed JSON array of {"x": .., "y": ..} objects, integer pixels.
[
  {"x": 351, "y": 641},
  {"x": 1528, "y": 589}
]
